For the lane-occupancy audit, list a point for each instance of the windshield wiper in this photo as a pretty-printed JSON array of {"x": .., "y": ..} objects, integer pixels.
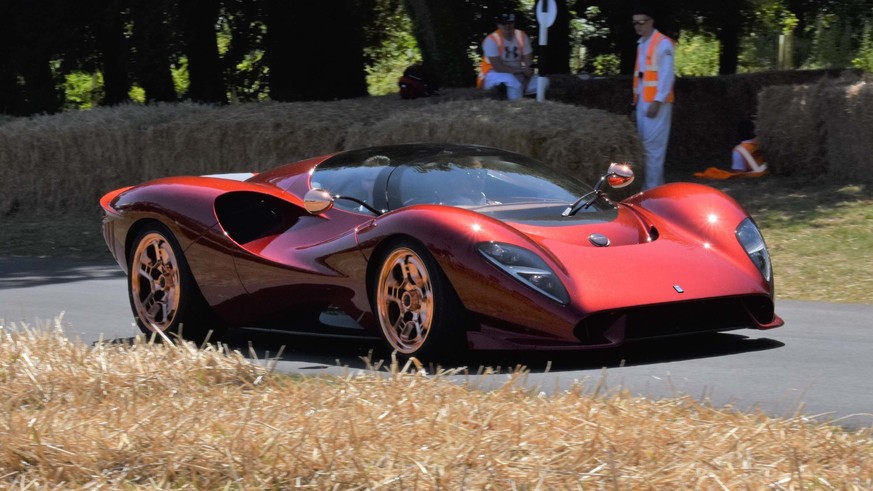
[
  {"x": 361, "y": 202},
  {"x": 574, "y": 208}
]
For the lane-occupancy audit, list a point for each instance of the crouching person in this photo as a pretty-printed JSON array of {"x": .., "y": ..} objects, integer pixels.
[{"x": 507, "y": 60}]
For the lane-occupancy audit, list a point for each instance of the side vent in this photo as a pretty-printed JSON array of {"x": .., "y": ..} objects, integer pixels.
[{"x": 246, "y": 216}]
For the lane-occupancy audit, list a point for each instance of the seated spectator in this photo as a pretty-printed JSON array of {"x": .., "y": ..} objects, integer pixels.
[
  {"x": 507, "y": 60},
  {"x": 747, "y": 160}
]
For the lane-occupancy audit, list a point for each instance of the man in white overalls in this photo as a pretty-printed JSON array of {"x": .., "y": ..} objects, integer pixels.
[{"x": 653, "y": 93}]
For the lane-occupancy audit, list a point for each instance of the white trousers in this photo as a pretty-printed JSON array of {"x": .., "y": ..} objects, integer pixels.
[
  {"x": 654, "y": 134},
  {"x": 513, "y": 84}
]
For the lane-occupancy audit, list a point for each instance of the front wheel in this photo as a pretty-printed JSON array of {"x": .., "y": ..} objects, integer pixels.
[
  {"x": 163, "y": 294},
  {"x": 418, "y": 311}
]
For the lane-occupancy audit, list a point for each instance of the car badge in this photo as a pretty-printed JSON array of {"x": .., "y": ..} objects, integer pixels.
[
  {"x": 599, "y": 240},
  {"x": 678, "y": 289}
]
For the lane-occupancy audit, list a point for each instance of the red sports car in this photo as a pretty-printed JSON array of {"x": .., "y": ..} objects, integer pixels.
[{"x": 437, "y": 248}]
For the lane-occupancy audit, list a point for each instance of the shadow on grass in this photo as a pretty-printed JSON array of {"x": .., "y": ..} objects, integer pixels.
[{"x": 790, "y": 200}]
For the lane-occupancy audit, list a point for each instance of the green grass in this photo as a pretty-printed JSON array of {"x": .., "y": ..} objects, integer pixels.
[
  {"x": 67, "y": 236},
  {"x": 820, "y": 236}
]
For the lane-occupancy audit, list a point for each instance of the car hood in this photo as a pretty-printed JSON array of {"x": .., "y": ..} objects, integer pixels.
[
  {"x": 612, "y": 228},
  {"x": 651, "y": 262}
]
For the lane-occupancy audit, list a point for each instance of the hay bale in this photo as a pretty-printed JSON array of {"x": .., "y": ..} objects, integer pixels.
[
  {"x": 849, "y": 123},
  {"x": 820, "y": 129},
  {"x": 706, "y": 112},
  {"x": 790, "y": 130},
  {"x": 65, "y": 162},
  {"x": 575, "y": 139}
]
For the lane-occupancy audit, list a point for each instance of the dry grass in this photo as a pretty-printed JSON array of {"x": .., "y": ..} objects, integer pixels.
[
  {"x": 821, "y": 129},
  {"x": 161, "y": 416},
  {"x": 63, "y": 163}
]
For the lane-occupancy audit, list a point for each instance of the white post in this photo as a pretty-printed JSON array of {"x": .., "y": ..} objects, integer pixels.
[{"x": 547, "y": 11}]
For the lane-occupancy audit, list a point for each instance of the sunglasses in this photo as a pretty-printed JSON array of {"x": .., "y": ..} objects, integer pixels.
[{"x": 640, "y": 22}]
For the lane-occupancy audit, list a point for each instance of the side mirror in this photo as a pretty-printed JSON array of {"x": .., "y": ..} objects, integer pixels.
[
  {"x": 317, "y": 201},
  {"x": 619, "y": 175}
]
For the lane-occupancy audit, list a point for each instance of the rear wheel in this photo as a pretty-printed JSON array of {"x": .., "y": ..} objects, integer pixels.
[
  {"x": 418, "y": 311},
  {"x": 163, "y": 294}
]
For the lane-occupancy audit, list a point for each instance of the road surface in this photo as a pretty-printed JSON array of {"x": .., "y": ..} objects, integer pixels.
[{"x": 817, "y": 364}]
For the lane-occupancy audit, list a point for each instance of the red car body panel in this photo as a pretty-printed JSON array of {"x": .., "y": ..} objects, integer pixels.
[{"x": 671, "y": 249}]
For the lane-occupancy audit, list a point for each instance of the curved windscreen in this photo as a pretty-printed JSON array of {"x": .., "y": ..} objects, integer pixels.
[
  {"x": 483, "y": 178},
  {"x": 355, "y": 176},
  {"x": 488, "y": 179}
]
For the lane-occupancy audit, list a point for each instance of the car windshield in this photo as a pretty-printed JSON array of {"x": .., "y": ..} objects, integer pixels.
[
  {"x": 482, "y": 178},
  {"x": 468, "y": 176},
  {"x": 354, "y": 176}
]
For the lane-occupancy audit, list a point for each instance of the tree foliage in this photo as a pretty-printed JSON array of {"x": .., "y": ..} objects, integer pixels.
[{"x": 63, "y": 55}]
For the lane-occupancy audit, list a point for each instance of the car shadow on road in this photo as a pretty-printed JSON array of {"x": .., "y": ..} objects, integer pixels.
[
  {"x": 27, "y": 272},
  {"x": 317, "y": 352}
]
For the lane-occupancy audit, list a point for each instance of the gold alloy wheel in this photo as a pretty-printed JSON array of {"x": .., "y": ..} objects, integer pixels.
[
  {"x": 154, "y": 282},
  {"x": 405, "y": 300}
]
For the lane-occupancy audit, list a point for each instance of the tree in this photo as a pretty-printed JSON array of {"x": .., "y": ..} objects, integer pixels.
[
  {"x": 36, "y": 32},
  {"x": 114, "y": 50},
  {"x": 727, "y": 21},
  {"x": 242, "y": 31},
  {"x": 315, "y": 50},
  {"x": 151, "y": 39},
  {"x": 442, "y": 43},
  {"x": 10, "y": 91},
  {"x": 198, "y": 19}
]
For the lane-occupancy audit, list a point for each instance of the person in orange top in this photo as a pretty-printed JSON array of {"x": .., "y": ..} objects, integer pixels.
[
  {"x": 747, "y": 159},
  {"x": 507, "y": 58},
  {"x": 654, "y": 75}
]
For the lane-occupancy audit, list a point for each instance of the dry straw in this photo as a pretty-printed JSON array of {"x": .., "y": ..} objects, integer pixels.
[
  {"x": 820, "y": 129},
  {"x": 150, "y": 416},
  {"x": 64, "y": 163}
]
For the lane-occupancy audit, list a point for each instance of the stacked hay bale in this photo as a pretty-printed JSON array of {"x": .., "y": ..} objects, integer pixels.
[
  {"x": 706, "y": 113},
  {"x": 578, "y": 140},
  {"x": 820, "y": 129},
  {"x": 64, "y": 163},
  {"x": 849, "y": 123}
]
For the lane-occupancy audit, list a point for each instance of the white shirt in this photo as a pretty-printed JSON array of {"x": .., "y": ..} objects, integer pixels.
[{"x": 511, "y": 55}]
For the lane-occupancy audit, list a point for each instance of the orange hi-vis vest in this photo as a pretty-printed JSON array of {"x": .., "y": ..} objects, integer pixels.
[
  {"x": 649, "y": 72},
  {"x": 486, "y": 66},
  {"x": 753, "y": 157}
]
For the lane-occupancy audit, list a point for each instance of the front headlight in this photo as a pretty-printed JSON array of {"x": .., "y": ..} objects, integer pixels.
[
  {"x": 526, "y": 267},
  {"x": 753, "y": 242}
]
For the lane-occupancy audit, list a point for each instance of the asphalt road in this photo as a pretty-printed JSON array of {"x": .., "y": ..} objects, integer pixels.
[{"x": 818, "y": 364}]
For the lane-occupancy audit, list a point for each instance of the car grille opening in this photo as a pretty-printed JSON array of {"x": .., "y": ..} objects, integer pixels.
[{"x": 675, "y": 319}]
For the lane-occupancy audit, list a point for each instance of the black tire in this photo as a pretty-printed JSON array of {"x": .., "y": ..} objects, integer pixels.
[
  {"x": 163, "y": 294},
  {"x": 418, "y": 311}
]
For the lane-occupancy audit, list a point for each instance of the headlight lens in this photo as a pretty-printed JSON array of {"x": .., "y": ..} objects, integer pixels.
[
  {"x": 526, "y": 267},
  {"x": 753, "y": 242}
]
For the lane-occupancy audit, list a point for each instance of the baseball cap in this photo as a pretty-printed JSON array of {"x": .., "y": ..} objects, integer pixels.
[{"x": 506, "y": 18}]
